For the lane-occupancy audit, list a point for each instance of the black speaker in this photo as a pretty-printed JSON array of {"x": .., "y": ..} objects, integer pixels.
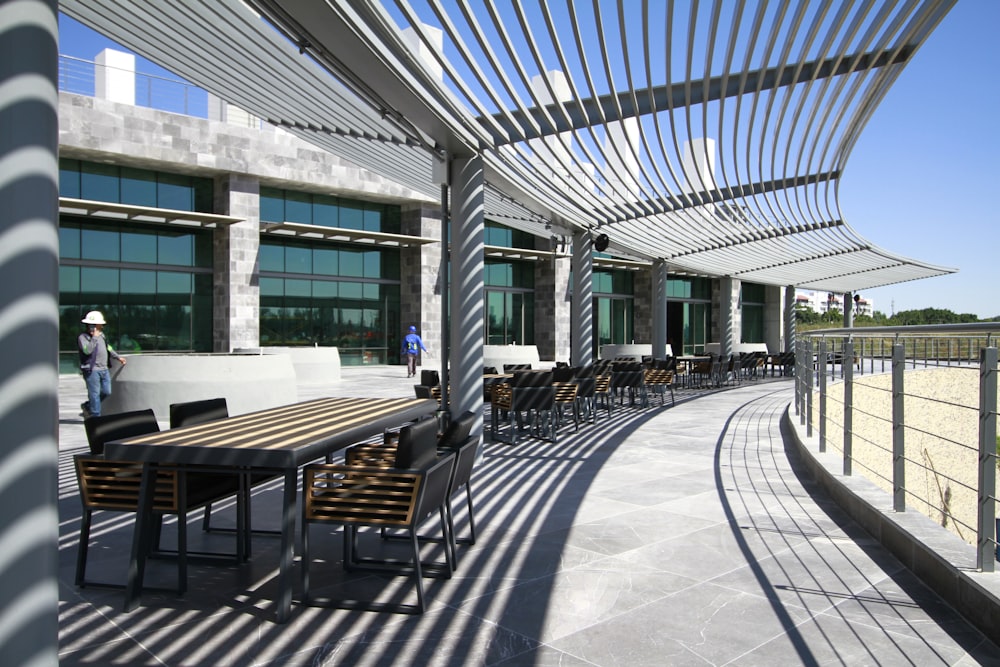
[{"x": 601, "y": 243}]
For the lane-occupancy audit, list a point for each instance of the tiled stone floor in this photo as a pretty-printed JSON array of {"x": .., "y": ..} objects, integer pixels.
[{"x": 667, "y": 536}]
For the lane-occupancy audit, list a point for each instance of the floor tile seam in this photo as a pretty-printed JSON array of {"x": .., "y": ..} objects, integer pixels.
[{"x": 119, "y": 633}]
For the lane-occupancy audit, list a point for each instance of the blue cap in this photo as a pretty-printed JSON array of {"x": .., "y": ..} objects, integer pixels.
[{"x": 412, "y": 328}]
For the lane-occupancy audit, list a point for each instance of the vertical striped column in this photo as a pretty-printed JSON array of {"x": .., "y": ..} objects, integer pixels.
[
  {"x": 29, "y": 331},
  {"x": 789, "y": 318},
  {"x": 466, "y": 289},
  {"x": 659, "y": 309},
  {"x": 582, "y": 341}
]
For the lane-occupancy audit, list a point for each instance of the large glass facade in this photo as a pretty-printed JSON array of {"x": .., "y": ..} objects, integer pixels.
[
  {"x": 752, "y": 297},
  {"x": 689, "y": 314},
  {"x": 613, "y": 308},
  {"x": 510, "y": 302},
  {"x": 331, "y": 295},
  {"x": 154, "y": 286},
  {"x": 152, "y": 282},
  {"x": 509, "y": 290},
  {"x": 327, "y": 211}
]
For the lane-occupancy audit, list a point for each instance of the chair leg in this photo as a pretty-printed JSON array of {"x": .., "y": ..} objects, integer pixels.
[
  {"x": 206, "y": 520},
  {"x": 81, "y": 554}
]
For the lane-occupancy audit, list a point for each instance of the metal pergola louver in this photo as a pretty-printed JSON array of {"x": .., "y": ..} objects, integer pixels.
[{"x": 707, "y": 135}]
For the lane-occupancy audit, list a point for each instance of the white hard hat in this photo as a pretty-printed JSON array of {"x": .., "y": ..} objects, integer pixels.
[{"x": 94, "y": 317}]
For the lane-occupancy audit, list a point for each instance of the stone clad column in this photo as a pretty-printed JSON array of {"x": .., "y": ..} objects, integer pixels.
[
  {"x": 29, "y": 331},
  {"x": 236, "y": 288},
  {"x": 467, "y": 308},
  {"x": 553, "y": 305},
  {"x": 659, "y": 337},
  {"x": 420, "y": 282},
  {"x": 583, "y": 299}
]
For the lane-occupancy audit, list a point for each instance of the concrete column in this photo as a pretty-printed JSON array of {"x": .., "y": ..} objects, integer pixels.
[
  {"x": 789, "y": 318},
  {"x": 848, "y": 310},
  {"x": 729, "y": 324},
  {"x": 236, "y": 288},
  {"x": 29, "y": 328},
  {"x": 466, "y": 290},
  {"x": 583, "y": 299},
  {"x": 553, "y": 309},
  {"x": 659, "y": 338},
  {"x": 421, "y": 282}
]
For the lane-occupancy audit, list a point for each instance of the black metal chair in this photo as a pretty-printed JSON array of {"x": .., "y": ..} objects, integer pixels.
[
  {"x": 112, "y": 485},
  {"x": 631, "y": 382},
  {"x": 356, "y": 496}
]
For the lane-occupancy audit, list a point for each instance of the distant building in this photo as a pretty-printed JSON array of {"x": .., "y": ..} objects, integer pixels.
[{"x": 824, "y": 302}]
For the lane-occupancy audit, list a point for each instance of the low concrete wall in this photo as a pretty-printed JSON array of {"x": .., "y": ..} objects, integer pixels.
[
  {"x": 738, "y": 348},
  {"x": 635, "y": 350},
  {"x": 943, "y": 561},
  {"x": 498, "y": 355},
  {"x": 313, "y": 365},
  {"x": 248, "y": 382}
]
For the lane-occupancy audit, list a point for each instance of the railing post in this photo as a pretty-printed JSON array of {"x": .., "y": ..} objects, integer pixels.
[
  {"x": 799, "y": 357},
  {"x": 986, "y": 551},
  {"x": 848, "y": 406},
  {"x": 809, "y": 389},
  {"x": 898, "y": 432},
  {"x": 822, "y": 399}
]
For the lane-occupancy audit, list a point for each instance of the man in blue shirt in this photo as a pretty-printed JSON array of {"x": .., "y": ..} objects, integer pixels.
[{"x": 412, "y": 344}]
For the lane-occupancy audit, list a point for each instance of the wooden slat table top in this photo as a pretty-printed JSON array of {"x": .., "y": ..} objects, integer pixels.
[{"x": 277, "y": 437}]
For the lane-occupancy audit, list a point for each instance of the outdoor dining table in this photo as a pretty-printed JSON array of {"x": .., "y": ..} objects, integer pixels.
[{"x": 278, "y": 439}]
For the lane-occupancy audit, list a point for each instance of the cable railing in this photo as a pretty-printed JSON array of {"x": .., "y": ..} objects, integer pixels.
[
  {"x": 80, "y": 76},
  {"x": 913, "y": 410}
]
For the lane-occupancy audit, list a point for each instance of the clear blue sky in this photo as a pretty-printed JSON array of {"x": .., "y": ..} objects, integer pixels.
[{"x": 918, "y": 182}]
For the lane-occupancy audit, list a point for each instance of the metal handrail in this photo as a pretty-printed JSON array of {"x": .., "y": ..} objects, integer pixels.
[{"x": 899, "y": 428}]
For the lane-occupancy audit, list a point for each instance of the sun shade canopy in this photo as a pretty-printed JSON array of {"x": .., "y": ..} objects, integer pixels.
[{"x": 710, "y": 136}]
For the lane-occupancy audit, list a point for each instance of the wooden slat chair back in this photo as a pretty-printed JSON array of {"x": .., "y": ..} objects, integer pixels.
[
  {"x": 353, "y": 497},
  {"x": 659, "y": 381},
  {"x": 602, "y": 390},
  {"x": 565, "y": 399}
]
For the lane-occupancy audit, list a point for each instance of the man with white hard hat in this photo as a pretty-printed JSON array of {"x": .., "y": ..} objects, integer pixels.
[{"x": 95, "y": 363}]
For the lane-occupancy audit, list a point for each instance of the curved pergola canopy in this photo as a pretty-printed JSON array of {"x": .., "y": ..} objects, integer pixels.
[{"x": 707, "y": 135}]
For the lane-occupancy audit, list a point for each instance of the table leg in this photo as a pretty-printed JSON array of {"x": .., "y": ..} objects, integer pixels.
[
  {"x": 285, "y": 580},
  {"x": 140, "y": 537}
]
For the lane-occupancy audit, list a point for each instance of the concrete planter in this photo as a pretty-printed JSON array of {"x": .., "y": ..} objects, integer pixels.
[{"x": 248, "y": 382}]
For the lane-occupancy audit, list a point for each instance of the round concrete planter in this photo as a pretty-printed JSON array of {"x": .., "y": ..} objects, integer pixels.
[
  {"x": 313, "y": 365},
  {"x": 247, "y": 382}
]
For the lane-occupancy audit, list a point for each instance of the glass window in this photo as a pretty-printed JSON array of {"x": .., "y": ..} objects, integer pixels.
[
  {"x": 298, "y": 207},
  {"x": 326, "y": 261},
  {"x": 272, "y": 287},
  {"x": 137, "y": 247},
  {"x": 69, "y": 178},
  {"x": 174, "y": 191},
  {"x": 351, "y": 216},
  {"x": 272, "y": 257},
  {"x": 69, "y": 241},
  {"x": 101, "y": 244},
  {"x": 352, "y": 263},
  {"x": 325, "y": 289},
  {"x": 138, "y": 187},
  {"x": 373, "y": 219},
  {"x": 350, "y": 290},
  {"x": 326, "y": 212},
  {"x": 298, "y": 259},
  {"x": 94, "y": 282},
  {"x": 69, "y": 279},
  {"x": 169, "y": 282},
  {"x": 752, "y": 293},
  {"x": 272, "y": 205},
  {"x": 373, "y": 264},
  {"x": 175, "y": 249},
  {"x": 99, "y": 182}
]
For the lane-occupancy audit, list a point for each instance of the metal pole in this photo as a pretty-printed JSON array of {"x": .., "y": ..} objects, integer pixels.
[
  {"x": 848, "y": 408},
  {"x": 822, "y": 399},
  {"x": 809, "y": 391},
  {"x": 987, "y": 533},
  {"x": 898, "y": 431},
  {"x": 445, "y": 298}
]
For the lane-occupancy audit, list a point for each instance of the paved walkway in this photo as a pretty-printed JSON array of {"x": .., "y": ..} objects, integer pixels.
[{"x": 666, "y": 536}]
